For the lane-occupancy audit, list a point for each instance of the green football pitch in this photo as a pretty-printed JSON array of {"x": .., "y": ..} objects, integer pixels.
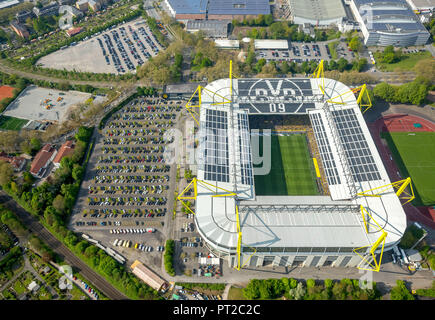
[
  {"x": 292, "y": 170},
  {"x": 10, "y": 123},
  {"x": 414, "y": 153}
]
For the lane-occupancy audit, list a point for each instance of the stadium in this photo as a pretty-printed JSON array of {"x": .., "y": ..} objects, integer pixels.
[{"x": 324, "y": 199}]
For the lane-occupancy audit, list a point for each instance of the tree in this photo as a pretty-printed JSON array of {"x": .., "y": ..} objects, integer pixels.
[
  {"x": 268, "y": 19},
  {"x": 299, "y": 292},
  {"x": 59, "y": 203},
  {"x": 6, "y": 173},
  {"x": 384, "y": 91},
  {"x": 77, "y": 172},
  {"x": 400, "y": 292},
  {"x": 426, "y": 69},
  {"x": 355, "y": 44}
]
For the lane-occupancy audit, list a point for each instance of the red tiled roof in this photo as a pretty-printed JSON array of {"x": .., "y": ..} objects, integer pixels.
[
  {"x": 65, "y": 150},
  {"x": 16, "y": 162},
  {"x": 41, "y": 158},
  {"x": 73, "y": 31}
]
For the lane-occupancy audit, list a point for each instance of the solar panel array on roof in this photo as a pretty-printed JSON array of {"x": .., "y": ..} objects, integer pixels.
[
  {"x": 325, "y": 150},
  {"x": 215, "y": 146},
  {"x": 357, "y": 150},
  {"x": 238, "y": 7},
  {"x": 188, "y": 6},
  {"x": 244, "y": 149}
]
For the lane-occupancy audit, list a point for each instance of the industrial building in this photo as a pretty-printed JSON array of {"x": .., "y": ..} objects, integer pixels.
[
  {"x": 216, "y": 9},
  {"x": 317, "y": 12},
  {"x": 211, "y": 28},
  {"x": 422, "y": 6},
  {"x": 386, "y": 23},
  {"x": 247, "y": 229}
]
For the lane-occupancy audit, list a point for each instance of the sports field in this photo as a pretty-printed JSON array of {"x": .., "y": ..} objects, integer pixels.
[
  {"x": 414, "y": 153},
  {"x": 10, "y": 123},
  {"x": 292, "y": 170}
]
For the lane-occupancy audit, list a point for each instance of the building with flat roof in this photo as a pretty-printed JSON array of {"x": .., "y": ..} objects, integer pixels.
[
  {"x": 216, "y": 9},
  {"x": 237, "y": 9},
  {"x": 8, "y": 3},
  {"x": 390, "y": 22},
  {"x": 422, "y": 5},
  {"x": 317, "y": 12},
  {"x": 211, "y": 28},
  {"x": 245, "y": 227},
  {"x": 187, "y": 9},
  {"x": 267, "y": 44},
  {"x": 52, "y": 9},
  {"x": 227, "y": 44}
]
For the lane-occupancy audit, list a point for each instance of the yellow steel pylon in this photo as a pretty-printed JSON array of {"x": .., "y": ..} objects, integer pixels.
[
  {"x": 399, "y": 185},
  {"x": 362, "y": 90},
  {"x": 364, "y": 106},
  {"x": 319, "y": 74},
  {"x": 194, "y": 184},
  {"x": 377, "y": 266},
  {"x": 367, "y": 218}
]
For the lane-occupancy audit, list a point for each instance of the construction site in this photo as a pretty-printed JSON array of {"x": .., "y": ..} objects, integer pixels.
[
  {"x": 43, "y": 104},
  {"x": 348, "y": 219}
]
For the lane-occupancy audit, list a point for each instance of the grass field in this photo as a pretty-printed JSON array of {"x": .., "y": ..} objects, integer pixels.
[
  {"x": 10, "y": 123},
  {"x": 292, "y": 170},
  {"x": 407, "y": 62},
  {"x": 414, "y": 154}
]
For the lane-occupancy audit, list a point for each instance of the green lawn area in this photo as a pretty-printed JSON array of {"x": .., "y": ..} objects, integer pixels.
[
  {"x": 292, "y": 170},
  {"x": 235, "y": 294},
  {"x": 332, "y": 49},
  {"x": 414, "y": 153},
  {"x": 10, "y": 123},
  {"x": 407, "y": 62}
]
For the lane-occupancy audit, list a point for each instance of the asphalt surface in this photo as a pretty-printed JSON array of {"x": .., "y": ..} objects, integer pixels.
[{"x": 59, "y": 248}]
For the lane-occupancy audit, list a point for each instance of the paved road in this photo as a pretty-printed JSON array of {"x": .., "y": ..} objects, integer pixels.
[{"x": 60, "y": 249}]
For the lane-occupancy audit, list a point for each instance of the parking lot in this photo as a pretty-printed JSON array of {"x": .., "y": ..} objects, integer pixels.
[
  {"x": 300, "y": 52},
  {"x": 189, "y": 248},
  {"x": 125, "y": 193},
  {"x": 118, "y": 50}
]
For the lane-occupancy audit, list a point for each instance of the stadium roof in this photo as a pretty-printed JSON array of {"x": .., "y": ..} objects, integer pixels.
[
  {"x": 388, "y": 16},
  {"x": 351, "y": 161},
  {"x": 317, "y": 10}
]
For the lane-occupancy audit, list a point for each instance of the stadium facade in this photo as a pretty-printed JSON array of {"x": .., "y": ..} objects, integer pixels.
[
  {"x": 387, "y": 22},
  {"x": 323, "y": 230}
]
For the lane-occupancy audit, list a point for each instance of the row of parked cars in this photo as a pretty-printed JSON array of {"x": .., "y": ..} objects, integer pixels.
[
  {"x": 125, "y": 231},
  {"x": 88, "y": 288}
]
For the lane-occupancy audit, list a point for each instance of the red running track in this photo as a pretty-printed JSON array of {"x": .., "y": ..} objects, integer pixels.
[{"x": 394, "y": 123}]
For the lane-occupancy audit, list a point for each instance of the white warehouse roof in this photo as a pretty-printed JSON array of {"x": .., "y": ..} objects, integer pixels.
[{"x": 271, "y": 44}]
